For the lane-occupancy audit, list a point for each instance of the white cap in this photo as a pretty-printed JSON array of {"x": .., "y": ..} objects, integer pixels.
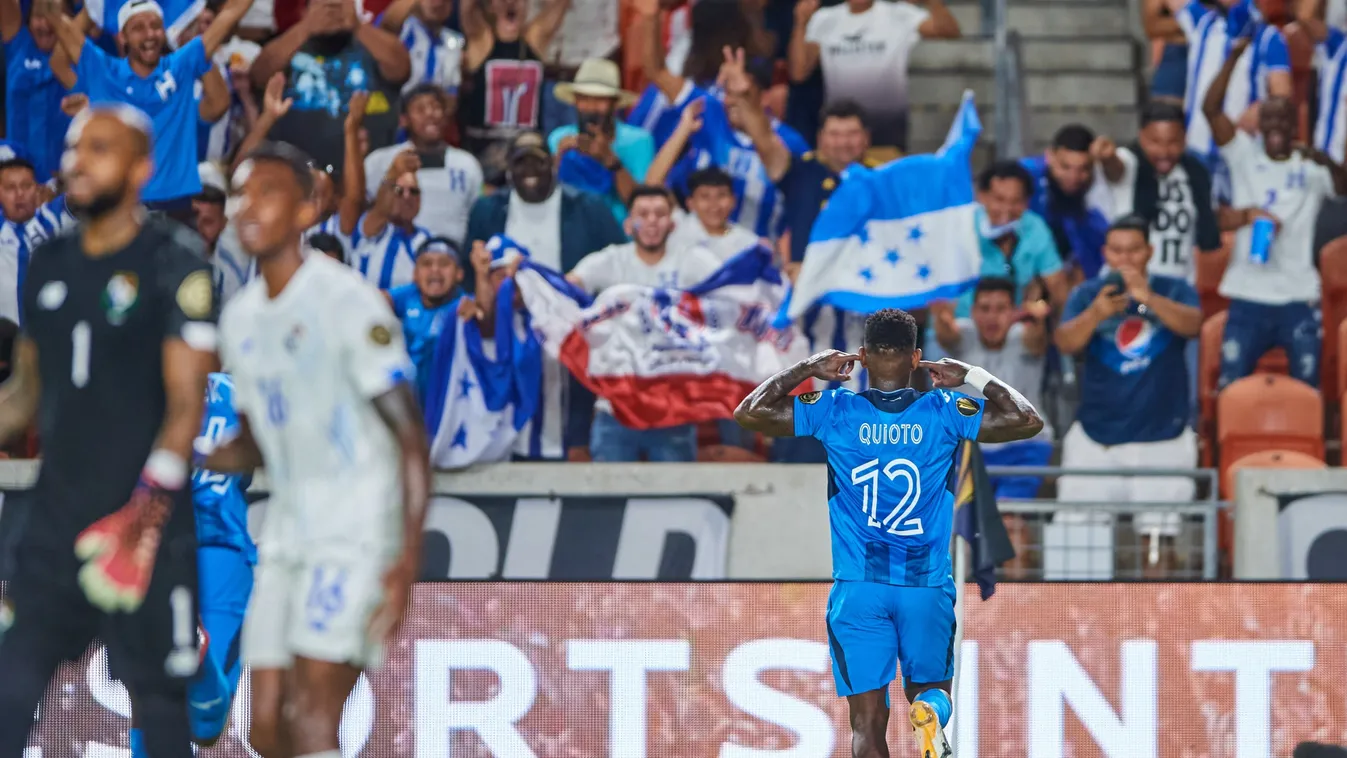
[
  {"x": 212, "y": 177},
  {"x": 135, "y": 8}
]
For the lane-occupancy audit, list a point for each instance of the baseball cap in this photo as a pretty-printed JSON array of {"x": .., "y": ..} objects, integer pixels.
[
  {"x": 528, "y": 142},
  {"x": 135, "y": 8}
]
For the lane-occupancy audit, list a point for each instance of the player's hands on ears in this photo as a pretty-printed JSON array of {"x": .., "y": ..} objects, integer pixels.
[
  {"x": 832, "y": 365},
  {"x": 946, "y": 373}
]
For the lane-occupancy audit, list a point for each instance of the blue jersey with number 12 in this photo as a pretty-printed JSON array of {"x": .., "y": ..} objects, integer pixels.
[
  {"x": 221, "y": 508},
  {"x": 891, "y": 464}
]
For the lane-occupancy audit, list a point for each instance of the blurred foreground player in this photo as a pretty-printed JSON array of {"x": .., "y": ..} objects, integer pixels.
[
  {"x": 322, "y": 385},
  {"x": 118, "y": 339},
  {"x": 890, "y": 453},
  {"x": 225, "y": 559}
]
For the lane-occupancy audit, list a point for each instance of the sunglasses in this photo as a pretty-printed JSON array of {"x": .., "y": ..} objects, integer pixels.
[{"x": 406, "y": 191}]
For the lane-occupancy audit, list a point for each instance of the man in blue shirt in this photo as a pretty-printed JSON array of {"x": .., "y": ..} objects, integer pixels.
[
  {"x": 424, "y": 305},
  {"x": 1071, "y": 193},
  {"x": 1015, "y": 242},
  {"x": 33, "y": 116},
  {"x": 225, "y": 559},
  {"x": 1130, "y": 328},
  {"x": 891, "y": 451},
  {"x": 599, "y": 153},
  {"x": 162, "y": 86}
]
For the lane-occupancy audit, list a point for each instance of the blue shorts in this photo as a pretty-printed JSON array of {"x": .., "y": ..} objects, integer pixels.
[
  {"x": 873, "y": 627},
  {"x": 226, "y": 578}
]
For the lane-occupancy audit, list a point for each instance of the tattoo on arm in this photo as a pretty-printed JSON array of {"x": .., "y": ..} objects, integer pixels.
[
  {"x": 1007, "y": 415},
  {"x": 399, "y": 410},
  {"x": 770, "y": 409}
]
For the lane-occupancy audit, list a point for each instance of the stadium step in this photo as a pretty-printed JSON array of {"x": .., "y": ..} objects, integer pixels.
[
  {"x": 1067, "y": 18},
  {"x": 1080, "y": 65}
]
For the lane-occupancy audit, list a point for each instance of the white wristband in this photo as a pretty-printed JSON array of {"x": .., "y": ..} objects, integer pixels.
[
  {"x": 978, "y": 378},
  {"x": 167, "y": 469}
]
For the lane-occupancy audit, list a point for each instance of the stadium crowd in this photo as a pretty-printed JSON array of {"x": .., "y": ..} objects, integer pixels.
[{"x": 570, "y": 126}]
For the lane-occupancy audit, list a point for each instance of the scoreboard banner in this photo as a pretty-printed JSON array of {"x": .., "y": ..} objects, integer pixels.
[{"x": 741, "y": 670}]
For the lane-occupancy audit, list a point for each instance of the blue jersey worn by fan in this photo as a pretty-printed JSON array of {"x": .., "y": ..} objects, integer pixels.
[
  {"x": 891, "y": 458},
  {"x": 225, "y": 559}
]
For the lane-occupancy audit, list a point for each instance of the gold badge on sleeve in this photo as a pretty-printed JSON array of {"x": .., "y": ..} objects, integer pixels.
[
  {"x": 195, "y": 295},
  {"x": 809, "y": 398},
  {"x": 966, "y": 407},
  {"x": 380, "y": 335}
]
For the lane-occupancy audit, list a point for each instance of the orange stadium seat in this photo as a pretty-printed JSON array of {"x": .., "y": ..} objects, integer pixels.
[
  {"x": 1268, "y": 412},
  {"x": 1209, "y": 363},
  {"x": 1333, "y": 272},
  {"x": 1210, "y": 269}
]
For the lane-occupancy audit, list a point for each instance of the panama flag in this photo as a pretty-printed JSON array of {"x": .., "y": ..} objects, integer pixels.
[
  {"x": 899, "y": 236},
  {"x": 482, "y": 392},
  {"x": 668, "y": 357}
]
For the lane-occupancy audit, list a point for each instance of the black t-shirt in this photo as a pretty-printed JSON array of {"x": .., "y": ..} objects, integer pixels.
[
  {"x": 100, "y": 325},
  {"x": 321, "y": 79}
]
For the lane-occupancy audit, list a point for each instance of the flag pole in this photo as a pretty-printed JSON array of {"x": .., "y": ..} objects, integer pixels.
[{"x": 960, "y": 579}]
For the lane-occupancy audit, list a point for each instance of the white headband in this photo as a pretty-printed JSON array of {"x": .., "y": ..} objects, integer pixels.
[
  {"x": 135, "y": 8},
  {"x": 129, "y": 115}
]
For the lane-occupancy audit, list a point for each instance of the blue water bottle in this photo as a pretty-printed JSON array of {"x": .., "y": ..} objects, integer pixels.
[{"x": 1260, "y": 243}]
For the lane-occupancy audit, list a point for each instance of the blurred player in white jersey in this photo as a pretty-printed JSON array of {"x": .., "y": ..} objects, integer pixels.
[{"x": 324, "y": 397}]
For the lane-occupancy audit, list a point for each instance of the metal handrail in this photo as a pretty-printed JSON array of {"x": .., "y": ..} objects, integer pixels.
[{"x": 1011, "y": 113}]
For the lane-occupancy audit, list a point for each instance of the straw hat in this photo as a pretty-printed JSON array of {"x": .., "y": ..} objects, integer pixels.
[{"x": 596, "y": 77}]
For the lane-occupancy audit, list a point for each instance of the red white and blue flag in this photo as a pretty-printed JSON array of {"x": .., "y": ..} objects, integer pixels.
[{"x": 668, "y": 357}]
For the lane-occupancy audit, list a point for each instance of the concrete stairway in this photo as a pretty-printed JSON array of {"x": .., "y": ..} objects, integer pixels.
[{"x": 1080, "y": 65}]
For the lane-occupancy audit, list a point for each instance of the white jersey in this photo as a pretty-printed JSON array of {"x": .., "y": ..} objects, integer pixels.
[
  {"x": 1173, "y": 234},
  {"x": 306, "y": 366},
  {"x": 1292, "y": 190}
]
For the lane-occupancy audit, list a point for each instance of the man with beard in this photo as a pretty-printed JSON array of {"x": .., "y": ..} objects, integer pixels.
[
  {"x": 557, "y": 225},
  {"x": 328, "y": 57},
  {"x": 645, "y": 261},
  {"x": 1273, "y": 288},
  {"x": 387, "y": 238},
  {"x": 1072, "y": 193},
  {"x": 1172, "y": 188},
  {"x": 162, "y": 86},
  {"x": 33, "y": 117},
  {"x": 450, "y": 179},
  {"x": 117, "y": 343}
]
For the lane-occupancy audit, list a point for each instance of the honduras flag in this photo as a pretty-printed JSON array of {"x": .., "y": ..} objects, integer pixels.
[
  {"x": 477, "y": 403},
  {"x": 899, "y": 236},
  {"x": 668, "y": 357}
]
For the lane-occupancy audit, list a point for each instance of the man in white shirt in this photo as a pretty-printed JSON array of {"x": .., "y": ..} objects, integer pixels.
[
  {"x": 387, "y": 238},
  {"x": 436, "y": 51},
  {"x": 648, "y": 261},
  {"x": 450, "y": 179},
  {"x": 863, "y": 46},
  {"x": 1274, "y": 293},
  {"x": 711, "y": 201},
  {"x": 1169, "y": 187}
]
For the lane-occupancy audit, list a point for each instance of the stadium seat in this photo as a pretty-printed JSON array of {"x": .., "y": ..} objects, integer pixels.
[
  {"x": 1225, "y": 527},
  {"x": 1268, "y": 412},
  {"x": 1333, "y": 272},
  {"x": 1210, "y": 269},
  {"x": 1209, "y": 363}
]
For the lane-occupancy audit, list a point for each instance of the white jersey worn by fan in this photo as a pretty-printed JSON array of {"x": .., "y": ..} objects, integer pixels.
[{"x": 307, "y": 365}]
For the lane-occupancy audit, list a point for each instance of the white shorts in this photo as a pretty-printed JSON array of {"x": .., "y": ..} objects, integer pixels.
[
  {"x": 1081, "y": 452},
  {"x": 313, "y": 608}
]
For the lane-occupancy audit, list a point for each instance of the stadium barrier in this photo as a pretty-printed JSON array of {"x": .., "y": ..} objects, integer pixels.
[
  {"x": 741, "y": 670},
  {"x": 1291, "y": 524},
  {"x": 707, "y": 521}
]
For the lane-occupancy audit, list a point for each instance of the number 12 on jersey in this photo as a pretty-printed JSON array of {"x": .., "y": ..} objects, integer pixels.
[{"x": 904, "y": 474}]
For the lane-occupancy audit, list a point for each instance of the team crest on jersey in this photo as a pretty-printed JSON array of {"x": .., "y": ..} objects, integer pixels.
[
  {"x": 809, "y": 398},
  {"x": 195, "y": 295},
  {"x": 120, "y": 296},
  {"x": 966, "y": 407}
]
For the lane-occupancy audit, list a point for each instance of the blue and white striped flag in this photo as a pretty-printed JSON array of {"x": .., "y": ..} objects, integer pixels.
[
  {"x": 899, "y": 236},
  {"x": 477, "y": 403}
]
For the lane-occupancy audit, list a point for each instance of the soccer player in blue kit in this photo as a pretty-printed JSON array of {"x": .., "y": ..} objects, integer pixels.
[
  {"x": 225, "y": 559},
  {"x": 891, "y": 455}
]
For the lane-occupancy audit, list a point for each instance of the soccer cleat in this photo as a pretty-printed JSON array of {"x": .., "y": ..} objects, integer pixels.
[
  {"x": 930, "y": 735},
  {"x": 119, "y": 551}
]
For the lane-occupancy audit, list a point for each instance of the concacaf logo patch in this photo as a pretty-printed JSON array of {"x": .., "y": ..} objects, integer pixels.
[
  {"x": 809, "y": 398},
  {"x": 966, "y": 407}
]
